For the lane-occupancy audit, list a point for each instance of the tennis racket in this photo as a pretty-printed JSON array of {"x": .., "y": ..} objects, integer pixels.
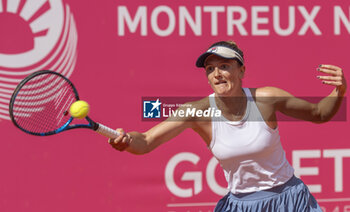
[{"x": 40, "y": 104}]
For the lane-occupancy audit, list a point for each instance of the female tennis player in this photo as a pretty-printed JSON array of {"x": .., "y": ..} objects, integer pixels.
[{"x": 245, "y": 139}]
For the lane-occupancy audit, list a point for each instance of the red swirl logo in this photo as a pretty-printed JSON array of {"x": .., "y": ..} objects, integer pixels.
[{"x": 35, "y": 35}]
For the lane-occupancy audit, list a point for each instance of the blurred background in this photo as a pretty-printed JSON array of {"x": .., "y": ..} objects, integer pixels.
[{"x": 118, "y": 51}]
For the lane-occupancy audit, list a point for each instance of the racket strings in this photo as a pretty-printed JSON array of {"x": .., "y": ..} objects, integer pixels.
[{"x": 42, "y": 103}]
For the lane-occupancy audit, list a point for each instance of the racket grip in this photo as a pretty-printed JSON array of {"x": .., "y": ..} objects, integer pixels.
[{"x": 106, "y": 131}]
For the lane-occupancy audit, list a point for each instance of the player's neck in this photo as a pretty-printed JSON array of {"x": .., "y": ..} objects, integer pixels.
[{"x": 232, "y": 105}]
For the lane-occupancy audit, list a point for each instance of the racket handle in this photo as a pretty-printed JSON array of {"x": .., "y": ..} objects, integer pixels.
[{"x": 106, "y": 131}]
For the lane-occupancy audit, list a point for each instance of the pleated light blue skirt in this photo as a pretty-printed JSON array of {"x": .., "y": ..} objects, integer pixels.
[{"x": 293, "y": 196}]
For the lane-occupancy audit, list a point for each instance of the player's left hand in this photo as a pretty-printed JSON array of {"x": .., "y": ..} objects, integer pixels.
[{"x": 335, "y": 76}]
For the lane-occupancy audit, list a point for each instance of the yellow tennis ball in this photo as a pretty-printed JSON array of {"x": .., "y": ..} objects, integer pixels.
[{"x": 79, "y": 109}]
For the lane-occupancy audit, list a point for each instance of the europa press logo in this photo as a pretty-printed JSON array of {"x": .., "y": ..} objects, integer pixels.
[
  {"x": 151, "y": 109},
  {"x": 35, "y": 35}
]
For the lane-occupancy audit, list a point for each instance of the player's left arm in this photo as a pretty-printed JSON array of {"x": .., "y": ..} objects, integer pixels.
[{"x": 320, "y": 112}]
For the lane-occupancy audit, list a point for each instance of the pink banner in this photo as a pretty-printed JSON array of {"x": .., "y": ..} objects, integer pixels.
[{"x": 117, "y": 52}]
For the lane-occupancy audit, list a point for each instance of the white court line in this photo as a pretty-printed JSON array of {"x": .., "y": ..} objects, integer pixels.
[
  {"x": 334, "y": 200},
  {"x": 196, "y": 204},
  {"x": 193, "y": 204}
]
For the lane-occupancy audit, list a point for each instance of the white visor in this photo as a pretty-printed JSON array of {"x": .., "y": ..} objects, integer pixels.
[{"x": 220, "y": 51}]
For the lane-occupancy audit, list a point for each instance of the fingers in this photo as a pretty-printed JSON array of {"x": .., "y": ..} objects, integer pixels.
[
  {"x": 329, "y": 78},
  {"x": 330, "y": 67},
  {"x": 119, "y": 138},
  {"x": 122, "y": 141},
  {"x": 334, "y": 76},
  {"x": 332, "y": 83}
]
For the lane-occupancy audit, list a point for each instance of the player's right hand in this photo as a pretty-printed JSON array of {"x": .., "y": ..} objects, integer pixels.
[{"x": 121, "y": 142}]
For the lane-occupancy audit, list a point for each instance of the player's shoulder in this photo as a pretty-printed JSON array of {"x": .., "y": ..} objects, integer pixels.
[
  {"x": 269, "y": 94},
  {"x": 269, "y": 91}
]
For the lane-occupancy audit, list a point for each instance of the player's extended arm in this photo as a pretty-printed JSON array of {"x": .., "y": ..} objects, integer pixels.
[
  {"x": 141, "y": 143},
  {"x": 322, "y": 111}
]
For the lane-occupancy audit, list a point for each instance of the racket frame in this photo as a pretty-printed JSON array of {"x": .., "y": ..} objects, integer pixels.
[{"x": 106, "y": 131}]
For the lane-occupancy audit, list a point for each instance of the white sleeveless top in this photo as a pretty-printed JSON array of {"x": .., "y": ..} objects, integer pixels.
[{"x": 249, "y": 151}]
